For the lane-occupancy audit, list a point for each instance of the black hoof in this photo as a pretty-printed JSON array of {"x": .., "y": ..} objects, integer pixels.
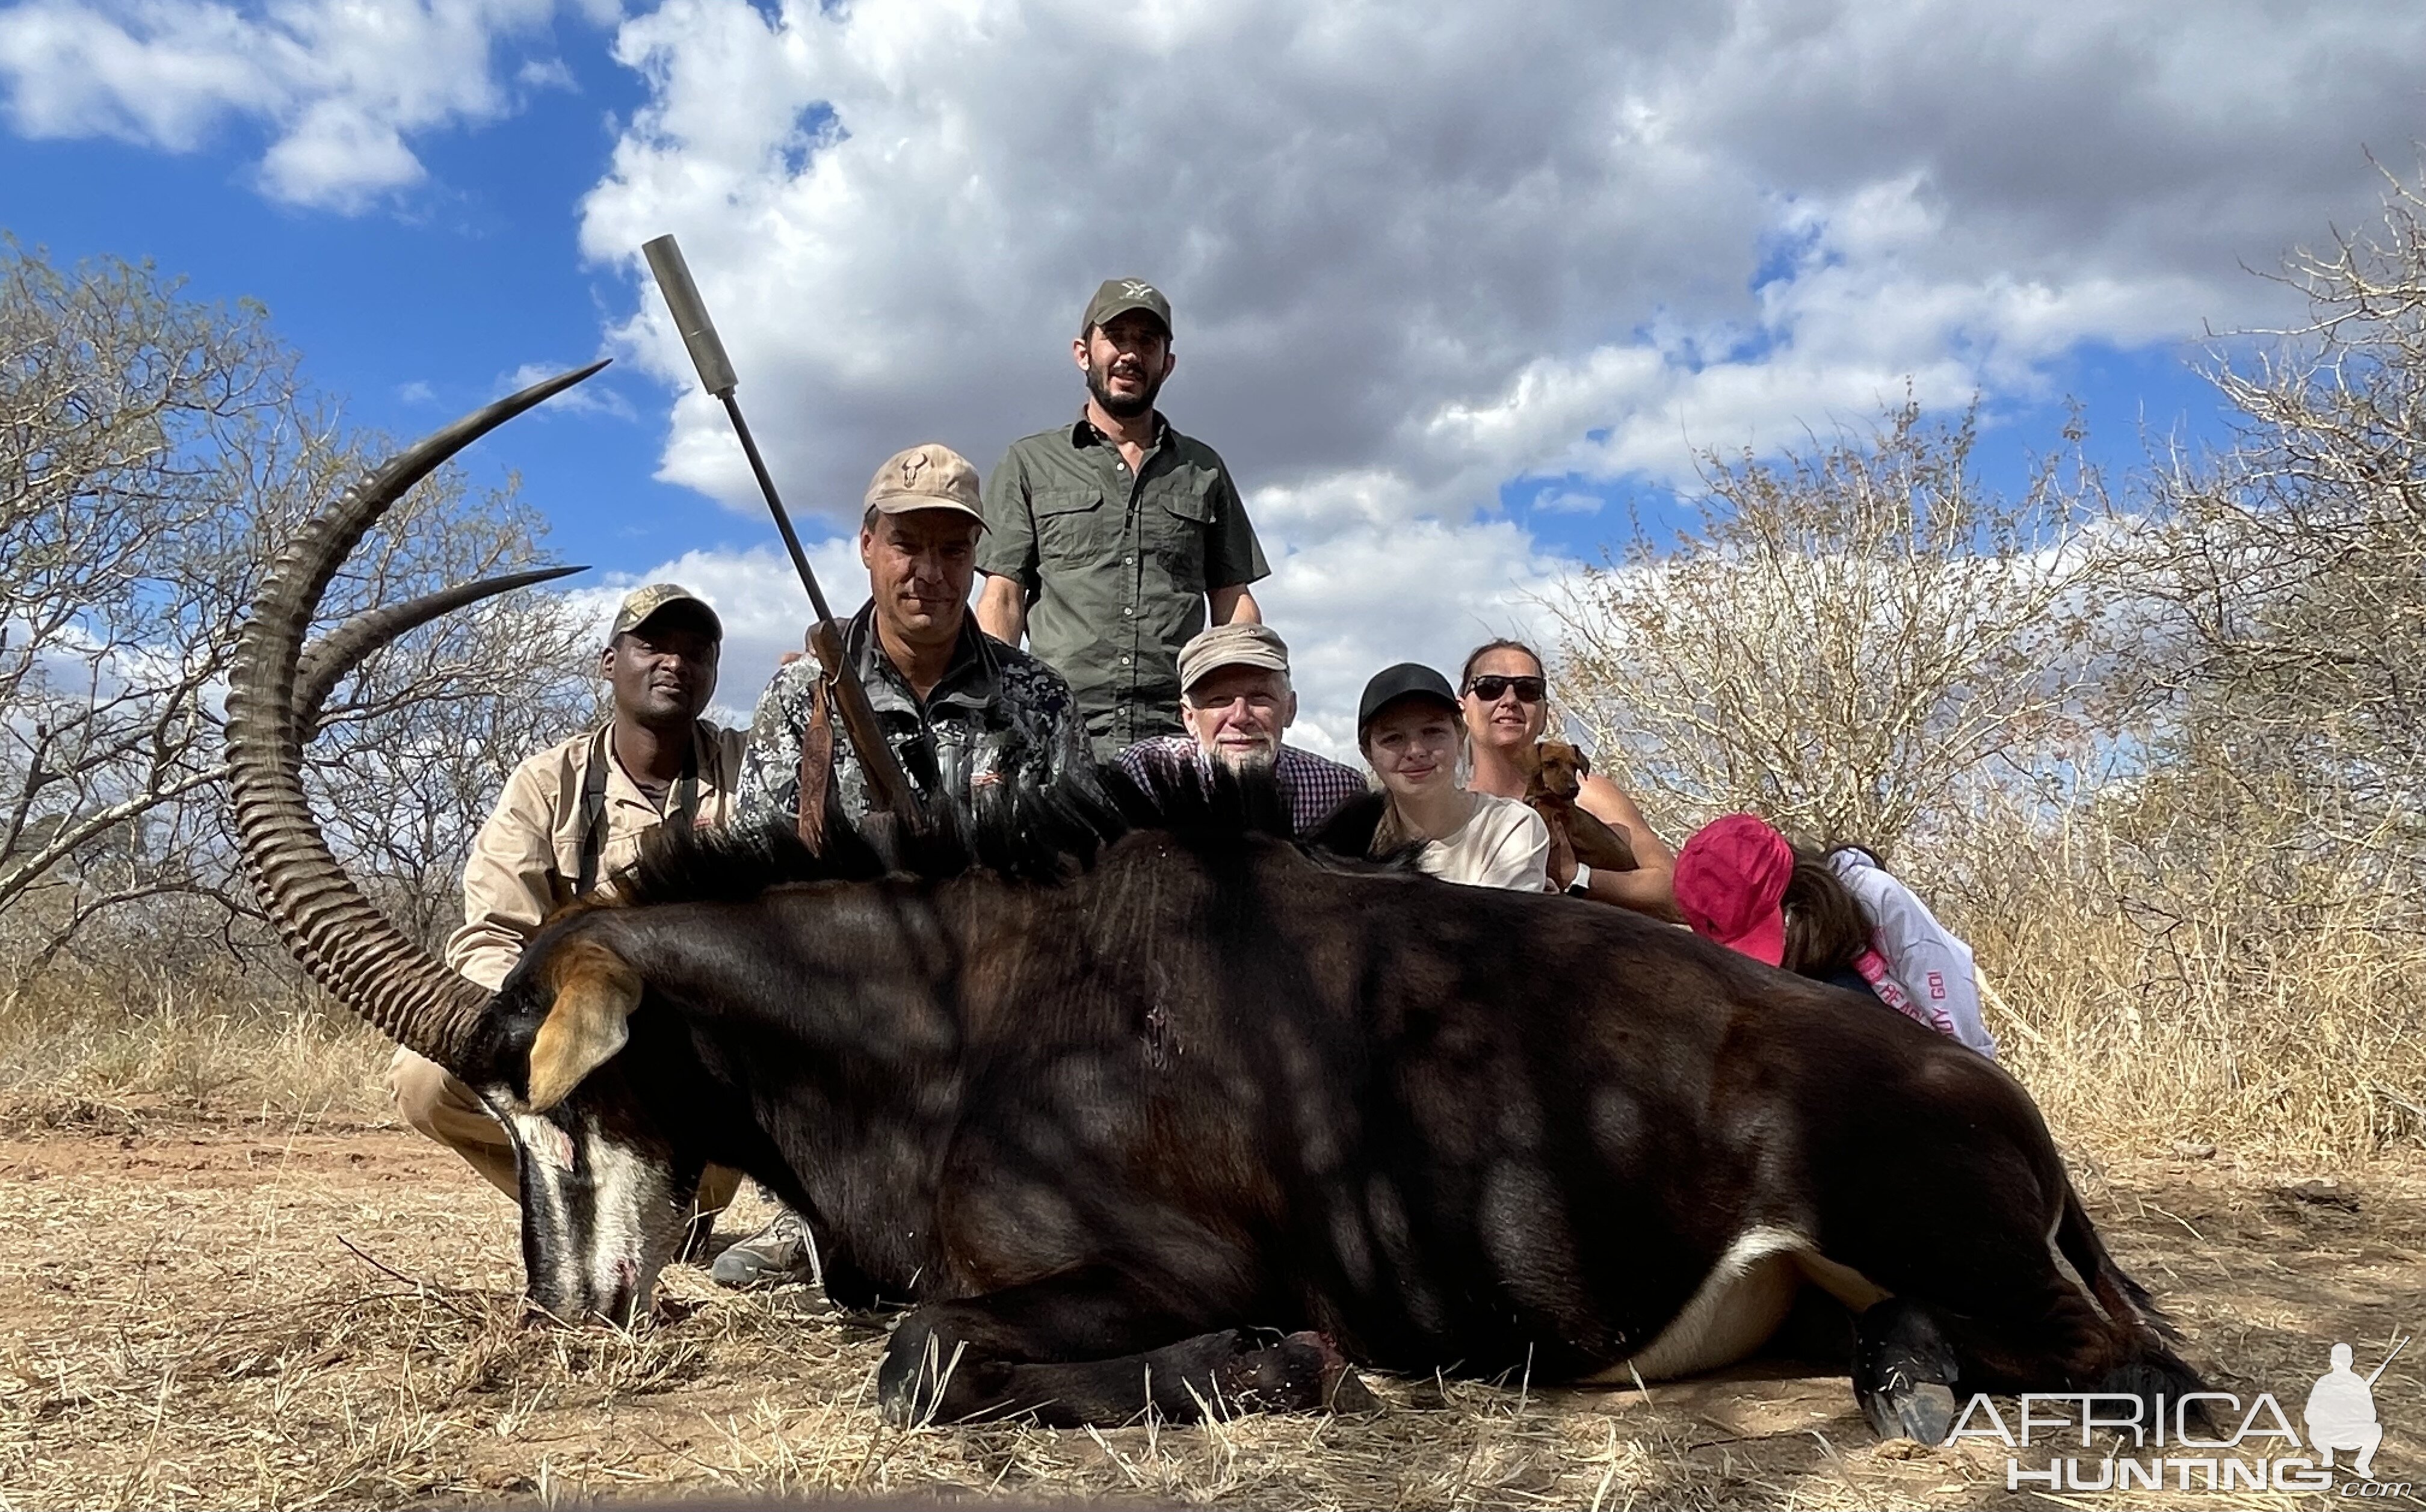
[
  {"x": 1926, "y": 1414},
  {"x": 1303, "y": 1372},
  {"x": 920, "y": 1374},
  {"x": 1904, "y": 1374}
]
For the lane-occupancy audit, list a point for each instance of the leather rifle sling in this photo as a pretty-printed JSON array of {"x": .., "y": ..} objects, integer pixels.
[
  {"x": 684, "y": 801},
  {"x": 593, "y": 815},
  {"x": 816, "y": 768}
]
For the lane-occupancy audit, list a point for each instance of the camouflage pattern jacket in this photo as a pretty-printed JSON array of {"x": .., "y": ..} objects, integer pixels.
[{"x": 998, "y": 715}]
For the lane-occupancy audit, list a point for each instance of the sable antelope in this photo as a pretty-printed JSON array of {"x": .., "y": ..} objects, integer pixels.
[{"x": 1143, "y": 1106}]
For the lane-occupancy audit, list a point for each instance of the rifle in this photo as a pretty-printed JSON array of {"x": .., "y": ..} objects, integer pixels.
[
  {"x": 2387, "y": 1359},
  {"x": 884, "y": 774}
]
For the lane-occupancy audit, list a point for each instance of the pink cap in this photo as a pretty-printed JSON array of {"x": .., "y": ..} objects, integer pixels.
[{"x": 1730, "y": 879}]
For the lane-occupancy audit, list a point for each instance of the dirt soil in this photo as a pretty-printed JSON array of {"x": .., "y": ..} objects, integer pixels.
[{"x": 221, "y": 1313}]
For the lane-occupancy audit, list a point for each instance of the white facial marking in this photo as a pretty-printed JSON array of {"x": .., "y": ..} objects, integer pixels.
[
  {"x": 547, "y": 1174},
  {"x": 626, "y": 1190}
]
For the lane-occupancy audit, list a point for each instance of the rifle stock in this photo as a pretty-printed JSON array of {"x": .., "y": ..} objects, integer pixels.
[{"x": 858, "y": 718}]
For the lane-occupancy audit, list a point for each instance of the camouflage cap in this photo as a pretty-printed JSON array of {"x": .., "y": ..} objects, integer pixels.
[
  {"x": 1118, "y": 296},
  {"x": 1231, "y": 646},
  {"x": 643, "y": 604},
  {"x": 932, "y": 476}
]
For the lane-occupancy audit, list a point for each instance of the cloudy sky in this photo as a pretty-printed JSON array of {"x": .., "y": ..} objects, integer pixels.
[{"x": 1459, "y": 290}]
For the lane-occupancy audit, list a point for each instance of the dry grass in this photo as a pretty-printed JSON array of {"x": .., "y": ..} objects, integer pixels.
[
  {"x": 226, "y": 1280},
  {"x": 200, "y": 1316},
  {"x": 78, "y": 1039},
  {"x": 2162, "y": 991}
]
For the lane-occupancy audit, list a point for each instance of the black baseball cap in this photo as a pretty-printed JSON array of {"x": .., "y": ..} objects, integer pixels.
[{"x": 1408, "y": 680}]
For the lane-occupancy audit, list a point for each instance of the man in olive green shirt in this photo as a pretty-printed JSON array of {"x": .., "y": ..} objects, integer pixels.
[{"x": 1111, "y": 535}]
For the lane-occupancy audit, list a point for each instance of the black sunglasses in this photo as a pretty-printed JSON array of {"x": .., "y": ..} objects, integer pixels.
[{"x": 1529, "y": 689}]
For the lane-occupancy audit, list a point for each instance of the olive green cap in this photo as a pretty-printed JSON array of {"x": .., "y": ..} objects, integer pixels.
[{"x": 1118, "y": 296}]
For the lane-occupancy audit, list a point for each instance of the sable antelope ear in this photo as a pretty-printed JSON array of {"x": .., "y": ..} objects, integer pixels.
[{"x": 589, "y": 1022}]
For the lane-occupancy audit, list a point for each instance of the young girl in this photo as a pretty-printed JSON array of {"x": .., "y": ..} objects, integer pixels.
[
  {"x": 1408, "y": 726},
  {"x": 1838, "y": 918}
]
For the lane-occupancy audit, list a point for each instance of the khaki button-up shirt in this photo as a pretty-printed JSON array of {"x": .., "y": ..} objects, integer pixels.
[
  {"x": 527, "y": 857},
  {"x": 1117, "y": 567}
]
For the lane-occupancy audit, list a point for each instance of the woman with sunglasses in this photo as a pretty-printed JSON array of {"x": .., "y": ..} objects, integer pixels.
[{"x": 1504, "y": 697}]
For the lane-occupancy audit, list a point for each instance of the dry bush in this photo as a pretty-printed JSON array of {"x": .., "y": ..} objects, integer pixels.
[
  {"x": 2164, "y": 771},
  {"x": 96, "y": 1046},
  {"x": 1849, "y": 636},
  {"x": 154, "y": 452},
  {"x": 2159, "y": 988}
]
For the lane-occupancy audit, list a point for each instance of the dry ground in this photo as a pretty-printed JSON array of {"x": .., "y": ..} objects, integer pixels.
[{"x": 201, "y": 1312}]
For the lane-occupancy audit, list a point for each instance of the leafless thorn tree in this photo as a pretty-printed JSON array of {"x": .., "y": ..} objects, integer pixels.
[
  {"x": 152, "y": 451},
  {"x": 1850, "y": 634}
]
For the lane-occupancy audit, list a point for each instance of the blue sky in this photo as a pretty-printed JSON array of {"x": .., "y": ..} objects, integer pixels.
[
  {"x": 1454, "y": 297},
  {"x": 425, "y": 307}
]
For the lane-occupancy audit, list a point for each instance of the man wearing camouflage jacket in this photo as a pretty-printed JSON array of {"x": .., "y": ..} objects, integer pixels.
[{"x": 961, "y": 710}]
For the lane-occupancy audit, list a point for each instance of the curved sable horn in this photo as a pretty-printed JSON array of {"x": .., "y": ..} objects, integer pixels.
[
  {"x": 347, "y": 945},
  {"x": 342, "y": 650}
]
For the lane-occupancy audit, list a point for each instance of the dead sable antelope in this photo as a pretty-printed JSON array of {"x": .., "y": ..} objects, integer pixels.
[
  {"x": 1153, "y": 1107},
  {"x": 1557, "y": 774}
]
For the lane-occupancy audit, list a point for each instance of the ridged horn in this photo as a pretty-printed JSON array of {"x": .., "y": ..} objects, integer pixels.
[
  {"x": 330, "y": 657},
  {"x": 347, "y": 945}
]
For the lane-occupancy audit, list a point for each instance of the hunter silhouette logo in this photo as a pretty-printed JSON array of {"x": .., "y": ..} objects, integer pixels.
[
  {"x": 2200, "y": 1440},
  {"x": 2341, "y": 1411}
]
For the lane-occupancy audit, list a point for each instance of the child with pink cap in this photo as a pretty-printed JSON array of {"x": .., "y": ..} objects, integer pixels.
[{"x": 1740, "y": 883}]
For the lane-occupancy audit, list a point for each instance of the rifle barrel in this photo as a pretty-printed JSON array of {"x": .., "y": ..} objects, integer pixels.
[
  {"x": 2388, "y": 1360},
  {"x": 892, "y": 784},
  {"x": 775, "y": 504}
]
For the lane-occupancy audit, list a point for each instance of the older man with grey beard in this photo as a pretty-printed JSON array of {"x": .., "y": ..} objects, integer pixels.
[{"x": 1235, "y": 700}]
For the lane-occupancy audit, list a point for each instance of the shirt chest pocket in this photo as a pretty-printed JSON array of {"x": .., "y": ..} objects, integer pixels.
[
  {"x": 1074, "y": 526},
  {"x": 1176, "y": 525}
]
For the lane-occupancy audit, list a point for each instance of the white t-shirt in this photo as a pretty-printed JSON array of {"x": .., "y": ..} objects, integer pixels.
[
  {"x": 1933, "y": 967},
  {"x": 1504, "y": 844}
]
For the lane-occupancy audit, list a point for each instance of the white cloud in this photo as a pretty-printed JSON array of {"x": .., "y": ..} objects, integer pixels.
[
  {"x": 1432, "y": 247},
  {"x": 1567, "y": 501},
  {"x": 338, "y": 84},
  {"x": 1420, "y": 250},
  {"x": 1417, "y": 250}
]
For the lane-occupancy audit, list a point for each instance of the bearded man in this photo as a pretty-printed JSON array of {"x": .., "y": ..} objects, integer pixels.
[{"x": 1111, "y": 537}]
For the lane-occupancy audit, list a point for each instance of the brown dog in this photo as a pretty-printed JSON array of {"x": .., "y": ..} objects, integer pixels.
[{"x": 1557, "y": 776}]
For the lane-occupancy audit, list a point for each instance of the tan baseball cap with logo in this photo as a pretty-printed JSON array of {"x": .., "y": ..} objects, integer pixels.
[
  {"x": 644, "y": 603},
  {"x": 1118, "y": 296},
  {"x": 1231, "y": 646},
  {"x": 932, "y": 476}
]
